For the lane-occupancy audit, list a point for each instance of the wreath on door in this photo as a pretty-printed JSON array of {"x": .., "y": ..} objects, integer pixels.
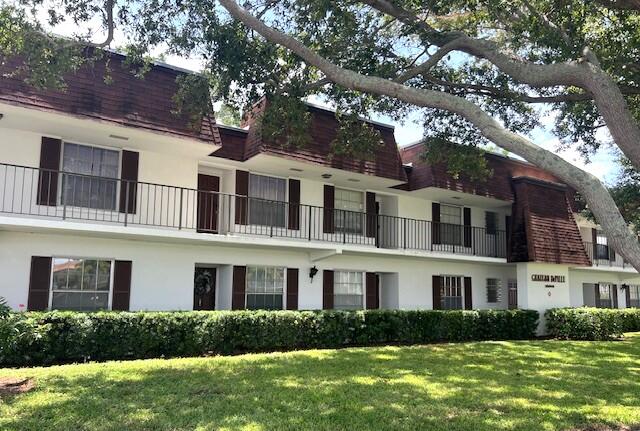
[{"x": 203, "y": 283}]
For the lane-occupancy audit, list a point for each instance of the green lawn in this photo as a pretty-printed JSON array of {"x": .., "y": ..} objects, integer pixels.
[{"x": 473, "y": 386}]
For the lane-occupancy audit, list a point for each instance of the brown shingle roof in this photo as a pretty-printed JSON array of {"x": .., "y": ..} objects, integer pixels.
[
  {"x": 324, "y": 126},
  {"x": 425, "y": 175},
  {"x": 543, "y": 226},
  {"x": 145, "y": 103}
]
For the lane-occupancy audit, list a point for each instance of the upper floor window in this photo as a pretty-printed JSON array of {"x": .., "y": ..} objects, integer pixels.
[
  {"x": 80, "y": 284},
  {"x": 95, "y": 184},
  {"x": 348, "y": 290},
  {"x": 634, "y": 295},
  {"x": 450, "y": 224},
  {"x": 451, "y": 292},
  {"x": 265, "y": 287},
  {"x": 267, "y": 200},
  {"x": 491, "y": 222},
  {"x": 349, "y": 207},
  {"x": 602, "y": 247}
]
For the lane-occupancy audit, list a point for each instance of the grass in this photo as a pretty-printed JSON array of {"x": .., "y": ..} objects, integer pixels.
[{"x": 472, "y": 386}]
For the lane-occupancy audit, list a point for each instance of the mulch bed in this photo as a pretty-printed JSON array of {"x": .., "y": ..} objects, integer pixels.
[{"x": 15, "y": 385}]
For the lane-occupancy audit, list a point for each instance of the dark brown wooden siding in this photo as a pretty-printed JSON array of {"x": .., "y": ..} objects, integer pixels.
[
  {"x": 468, "y": 294},
  {"x": 292, "y": 288},
  {"x": 129, "y": 183},
  {"x": 327, "y": 289},
  {"x": 121, "y": 285},
  {"x": 294, "y": 204},
  {"x": 39, "y": 283},
  {"x": 50, "y": 165},
  {"x": 238, "y": 288}
]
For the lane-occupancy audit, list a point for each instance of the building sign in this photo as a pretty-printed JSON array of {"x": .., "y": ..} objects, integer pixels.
[{"x": 546, "y": 278}]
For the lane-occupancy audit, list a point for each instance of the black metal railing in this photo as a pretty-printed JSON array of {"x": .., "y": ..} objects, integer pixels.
[
  {"x": 603, "y": 255},
  {"x": 56, "y": 194}
]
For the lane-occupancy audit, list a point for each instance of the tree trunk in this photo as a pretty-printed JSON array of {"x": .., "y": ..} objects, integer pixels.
[{"x": 594, "y": 192}]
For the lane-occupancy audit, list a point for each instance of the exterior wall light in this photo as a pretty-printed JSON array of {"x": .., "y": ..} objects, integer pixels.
[{"x": 312, "y": 272}]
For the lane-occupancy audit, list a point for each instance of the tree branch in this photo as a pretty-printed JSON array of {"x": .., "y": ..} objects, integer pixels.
[
  {"x": 633, "y": 5},
  {"x": 598, "y": 197},
  {"x": 428, "y": 64},
  {"x": 110, "y": 24}
]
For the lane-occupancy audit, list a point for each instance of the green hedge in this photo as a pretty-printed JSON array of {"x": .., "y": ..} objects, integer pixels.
[
  {"x": 591, "y": 323},
  {"x": 58, "y": 337}
]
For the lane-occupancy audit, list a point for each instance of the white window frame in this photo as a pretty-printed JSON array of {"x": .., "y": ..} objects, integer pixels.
[
  {"x": 118, "y": 177},
  {"x": 498, "y": 288},
  {"x": 610, "y": 299},
  {"x": 636, "y": 288},
  {"x": 443, "y": 288},
  {"x": 111, "y": 274},
  {"x": 337, "y": 210},
  {"x": 363, "y": 284},
  {"x": 284, "y": 287},
  {"x": 285, "y": 202},
  {"x": 446, "y": 228}
]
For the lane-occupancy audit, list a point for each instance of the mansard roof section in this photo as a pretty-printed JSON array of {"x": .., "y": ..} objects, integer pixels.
[
  {"x": 543, "y": 226},
  {"x": 422, "y": 174},
  {"x": 324, "y": 127},
  {"x": 144, "y": 103}
]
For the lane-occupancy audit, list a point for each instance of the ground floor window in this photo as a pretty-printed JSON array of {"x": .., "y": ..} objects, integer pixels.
[
  {"x": 451, "y": 292},
  {"x": 634, "y": 296},
  {"x": 494, "y": 285},
  {"x": 265, "y": 287},
  {"x": 80, "y": 284},
  {"x": 604, "y": 298},
  {"x": 348, "y": 290}
]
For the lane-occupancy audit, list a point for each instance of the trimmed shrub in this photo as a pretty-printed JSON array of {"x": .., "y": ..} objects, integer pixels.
[
  {"x": 591, "y": 323},
  {"x": 59, "y": 337}
]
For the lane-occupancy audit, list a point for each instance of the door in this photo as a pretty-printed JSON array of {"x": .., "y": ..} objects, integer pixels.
[
  {"x": 204, "y": 289},
  {"x": 208, "y": 188},
  {"x": 513, "y": 294}
]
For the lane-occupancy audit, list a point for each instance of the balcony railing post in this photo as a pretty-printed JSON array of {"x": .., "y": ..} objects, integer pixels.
[
  {"x": 180, "y": 210},
  {"x": 126, "y": 203},
  {"x": 309, "y": 224}
]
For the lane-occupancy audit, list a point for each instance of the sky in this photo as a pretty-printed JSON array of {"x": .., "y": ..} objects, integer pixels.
[{"x": 602, "y": 164}]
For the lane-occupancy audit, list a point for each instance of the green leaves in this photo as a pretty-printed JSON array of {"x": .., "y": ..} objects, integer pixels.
[{"x": 591, "y": 323}]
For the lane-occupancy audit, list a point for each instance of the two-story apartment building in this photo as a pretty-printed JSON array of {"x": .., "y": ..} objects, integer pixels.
[{"x": 108, "y": 200}]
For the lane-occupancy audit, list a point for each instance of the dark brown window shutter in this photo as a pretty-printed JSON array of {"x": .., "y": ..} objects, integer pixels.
[
  {"x": 372, "y": 219},
  {"x": 39, "y": 280},
  {"x": 238, "y": 289},
  {"x": 327, "y": 289},
  {"x": 627, "y": 296},
  {"x": 612, "y": 254},
  {"x": 468, "y": 294},
  {"x": 435, "y": 223},
  {"x": 597, "y": 293},
  {"x": 466, "y": 216},
  {"x": 614, "y": 294},
  {"x": 373, "y": 296},
  {"x": 507, "y": 228},
  {"x": 242, "y": 190},
  {"x": 436, "y": 283},
  {"x": 121, "y": 285},
  {"x": 594, "y": 239},
  {"x": 49, "y": 166},
  {"x": 328, "y": 224},
  {"x": 129, "y": 181},
  {"x": 294, "y": 204},
  {"x": 292, "y": 288}
]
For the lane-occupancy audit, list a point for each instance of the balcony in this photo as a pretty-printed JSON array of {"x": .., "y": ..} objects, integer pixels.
[
  {"x": 42, "y": 193},
  {"x": 603, "y": 256}
]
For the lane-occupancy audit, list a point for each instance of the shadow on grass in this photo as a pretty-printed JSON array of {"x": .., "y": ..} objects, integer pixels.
[{"x": 473, "y": 386}]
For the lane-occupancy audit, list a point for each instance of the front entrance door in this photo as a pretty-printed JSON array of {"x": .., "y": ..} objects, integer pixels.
[
  {"x": 208, "y": 188},
  {"x": 513, "y": 294},
  {"x": 204, "y": 289}
]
